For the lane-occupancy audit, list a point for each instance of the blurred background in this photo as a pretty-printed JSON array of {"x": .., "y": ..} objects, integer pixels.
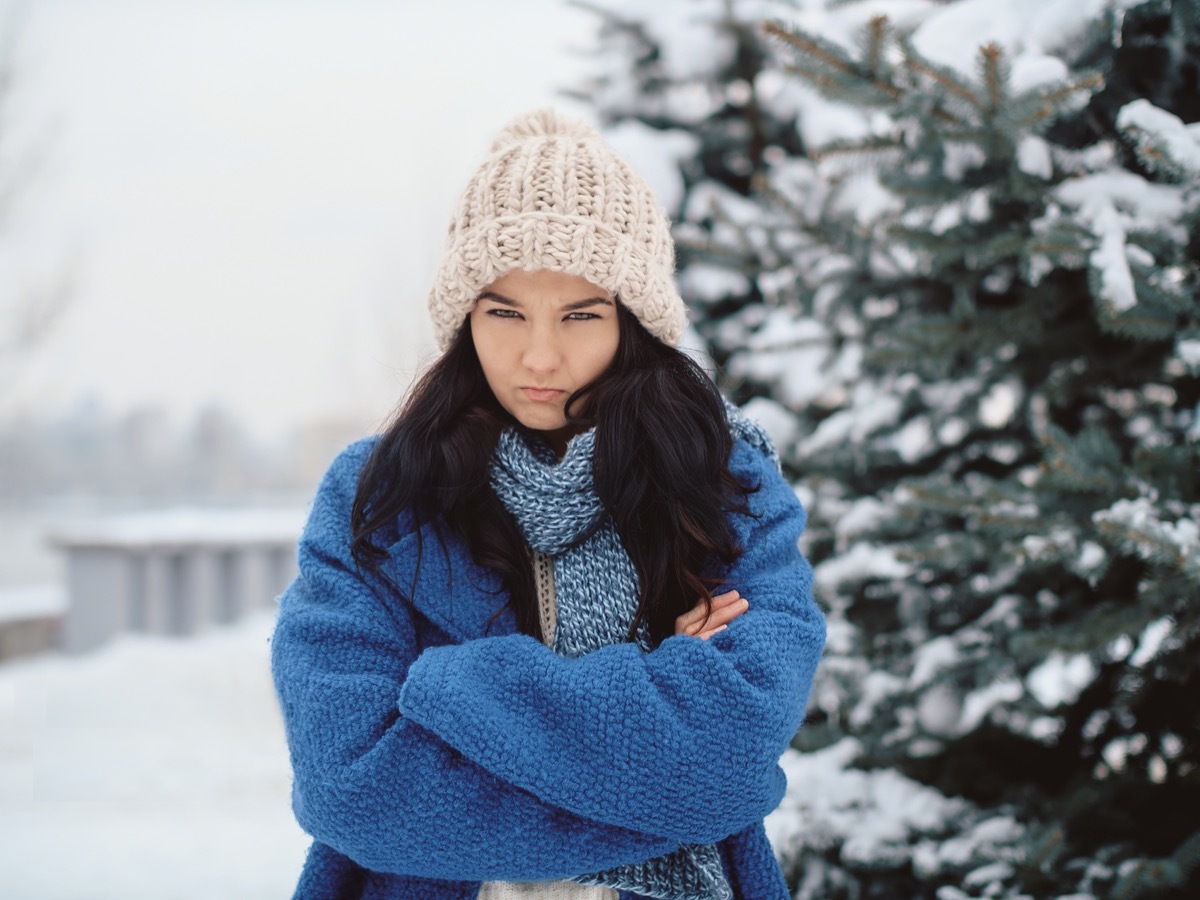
[
  {"x": 219, "y": 224},
  {"x": 946, "y": 251}
]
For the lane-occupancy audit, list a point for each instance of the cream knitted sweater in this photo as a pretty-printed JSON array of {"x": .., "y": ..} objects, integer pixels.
[{"x": 543, "y": 573}]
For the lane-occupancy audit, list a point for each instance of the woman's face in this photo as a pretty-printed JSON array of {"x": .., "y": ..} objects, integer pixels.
[{"x": 540, "y": 336}]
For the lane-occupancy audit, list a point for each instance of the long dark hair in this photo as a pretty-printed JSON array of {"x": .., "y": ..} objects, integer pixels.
[{"x": 661, "y": 469}]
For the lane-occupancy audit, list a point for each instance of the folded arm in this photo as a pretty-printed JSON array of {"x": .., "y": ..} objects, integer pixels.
[
  {"x": 378, "y": 787},
  {"x": 683, "y": 741}
]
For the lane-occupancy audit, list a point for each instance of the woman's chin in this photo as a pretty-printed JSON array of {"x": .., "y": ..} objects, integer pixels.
[{"x": 545, "y": 420}]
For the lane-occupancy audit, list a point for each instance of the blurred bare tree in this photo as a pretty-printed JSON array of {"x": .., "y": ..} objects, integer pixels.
[{"x": 29, "y": 307}]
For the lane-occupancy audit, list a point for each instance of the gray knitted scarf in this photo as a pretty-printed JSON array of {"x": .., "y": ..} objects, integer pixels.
[{"x": 596, "y": 588}]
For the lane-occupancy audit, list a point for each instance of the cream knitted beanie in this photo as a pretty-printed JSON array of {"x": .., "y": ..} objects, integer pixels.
[{"x": 551, "y": 195}]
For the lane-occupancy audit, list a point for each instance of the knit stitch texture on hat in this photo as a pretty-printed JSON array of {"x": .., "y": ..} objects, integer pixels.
[{"x": 551, "y": 195}]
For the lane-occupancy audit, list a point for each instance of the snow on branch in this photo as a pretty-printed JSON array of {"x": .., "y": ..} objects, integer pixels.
[
  {"x": 1138, "y": 525},
  {"x": 1163, "y": 142}
]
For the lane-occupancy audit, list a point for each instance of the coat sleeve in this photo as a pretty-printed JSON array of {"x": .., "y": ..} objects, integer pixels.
[
  {"x": 682, "y": 741},
  {"x": 380, "y": 788}
]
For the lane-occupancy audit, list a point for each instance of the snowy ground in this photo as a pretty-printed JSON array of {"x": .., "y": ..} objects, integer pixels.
[{"x": 154, "y": 768}]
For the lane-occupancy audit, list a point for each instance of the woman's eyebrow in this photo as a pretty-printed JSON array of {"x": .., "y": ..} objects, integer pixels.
[
  {"x": 498, "y": 298},
  {"x": 584, "y": 304},
  {"x": 573, "y": 306}
]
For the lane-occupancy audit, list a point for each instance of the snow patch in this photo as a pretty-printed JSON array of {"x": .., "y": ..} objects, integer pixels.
[
  {"x": 914, "y": 440},
  {"x": 777, "y": 420},
  {"x": 1162, "y": 134},
  {"x": 939, "y": 710},
  {"x": 984, "y": 875},
  {"x": 708, "y": 283},
  {"x": 870, "y": 411},
  {"x": 874, "y": 817},
  {"x": 1151, "y": 641},
  {"x": 32, "y": 602},
  {"x": 1111, "y": 204},
  {"x": 1033, "y": 157},
  {"x": 875, "y": 689},
  {"x": 783, "y": 329},
  {"x": 155, "y": 761},
  {"x": 933, "y": 658},
  {"x": 711, "y": 199},
  {"x": 1046, "y": 728},
  {"x": 840, "y": 636},
  {"x": 1090, "y": 562},
  {"x": 1109, "y": 259},
  {"x": 1060, "y": 679},
  {"x": 947, "y": 217},
  {"x": 1150, "y": 532},
  {"x": 1146, "y": 206},
  {"x": 1091, "y": 557},
  {"x": 865, "y": 198},
  {"x": 1005, "y": 613},
  {"x": 979, "y": 206},
  {"x": 998, "y": 838},
  {"x": 655, "y": 154},
  {"x": 1119, "y": 648},
  {"x": 861, "y": 562},
  {"x": 799, "y": 376},
  {"x": 952, "y": 431},
  {"x": 979, "y": 703},
  {"x": 954, "y": 35},
  {"x": 689, "y": 44},
  {"x": 1033, "y": 70},
  {"x": 962, "y": 158},
  {"x": 820, "y": 121},
  {"x": 1188, "y": 350},
  {"x": 997, "y": 406},
  {"x": 863, "y": 515}
]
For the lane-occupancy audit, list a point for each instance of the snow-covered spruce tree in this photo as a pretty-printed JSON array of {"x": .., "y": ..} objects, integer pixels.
[
  {"x": 687, "y": 90},
  {"x": 981, "y": 349},
  {"x": 996, "y": 446}
]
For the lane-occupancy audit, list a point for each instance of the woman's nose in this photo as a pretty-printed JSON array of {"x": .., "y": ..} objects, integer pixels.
[{"x": 542, "y": 353}]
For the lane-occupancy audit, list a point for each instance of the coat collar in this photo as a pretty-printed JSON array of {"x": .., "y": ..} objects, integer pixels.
[{"x": 447, "y": 587}]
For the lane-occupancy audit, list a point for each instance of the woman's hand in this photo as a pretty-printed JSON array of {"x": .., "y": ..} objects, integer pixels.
[{"x": 725, "y": 608}]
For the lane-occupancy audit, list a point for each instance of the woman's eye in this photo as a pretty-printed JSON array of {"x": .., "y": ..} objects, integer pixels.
[
  {"x": 501, "y": 313},
  {"x": 582, "y": 316}
]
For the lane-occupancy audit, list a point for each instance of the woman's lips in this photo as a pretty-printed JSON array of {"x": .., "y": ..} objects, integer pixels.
[{"x": 542, "y": 395}]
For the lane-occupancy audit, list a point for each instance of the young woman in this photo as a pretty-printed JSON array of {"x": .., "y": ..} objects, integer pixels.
[{"x": 551, "y": 631}]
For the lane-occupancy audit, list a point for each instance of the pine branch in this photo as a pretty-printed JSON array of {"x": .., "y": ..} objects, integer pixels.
[
  {"x": 945, "y": 77},
  {"x": 807, "y": 46},
  {"x": 863, "y": 148},
  {"x": 877, "y": 33},
  {"x": 1048, "y": 103},
  {"x": 992, "y": 55},
  {"x": 826, "y": 83}
]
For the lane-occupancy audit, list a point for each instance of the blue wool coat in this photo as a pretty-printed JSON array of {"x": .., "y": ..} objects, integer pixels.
[{"x": 433, "y": 747}]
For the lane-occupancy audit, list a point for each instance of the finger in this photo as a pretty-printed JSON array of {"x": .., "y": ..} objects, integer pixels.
[
  {"x": 720, "y": 616},
  {"x": 705, "y": 635},
  {"x": 727, "y": 597},
  {"x": 698, "y": 612},
  {"x": 693, "y": 616},
  {"x": 696, "y": 618},
  {"x": 726, "y": 613}
]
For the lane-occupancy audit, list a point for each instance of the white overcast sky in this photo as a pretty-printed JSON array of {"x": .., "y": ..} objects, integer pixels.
[{"x": 251, "y": 194}]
